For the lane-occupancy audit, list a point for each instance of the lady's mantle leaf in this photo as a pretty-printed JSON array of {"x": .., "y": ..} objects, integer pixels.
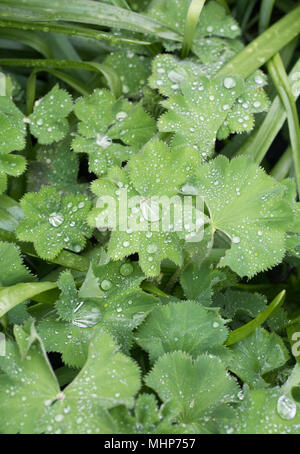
[
  {"x": 185, "y": 326},
  {"x": 213, "y": 20},
  {"x": 103, "y": 120},
  {"x": 110, "y": 296},
  {"x": 13, "y": 128},
  {"x": 31, "y": 399},
  {"x": 132, "y": 69},
  {"x": 266, "y": 411},
  {"x": 257, "y": 354},
  {"x": 55, "y": 165},
  {"x": 108, "y": 379},
  {"x": 48, "y": 122},
  {"x": 251, "y": 208},
  {"x": 196, "y": 115},
  {"x": 53, "y": 222},
  {"x": 195, "y": 389},
  {"x": 155, "y": 172},
  {"x": 12, "y": 270},
  {"x": 25, "y": 388}
]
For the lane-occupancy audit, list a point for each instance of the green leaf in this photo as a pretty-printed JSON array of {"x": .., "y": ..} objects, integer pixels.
[
  {"x": 16, "y": 294},
  {"x": 132, "y": 69},
  {"x": 149, "y": 240},
  {"x": 206, "y": 103},
  {"x": 97, "y": 13},
  {"x": 110, "y": 296},
  {"x": 50, "y": 169},
  {"x": 11, "y": 265},
  {"x": 184, "y": 326},
  {"x": 195, "y": 389},
  {"x": 53, "y": 222},
  {"x": 266, "y": 411},
  {"x": 198, "y": 281},
  {"x": 31, "y": 384},
  {"x": 103, "y": 120},
  {"x": 257, "y": 354},
  {"x": 107, "y": 379},
  {"x": 251, "y": 208},
  {"x": 13, "y": 128},
  {"x": 48, "y": 122},
  {"x": 213, "y": 19},
  {"x": 238, "y": 304}
]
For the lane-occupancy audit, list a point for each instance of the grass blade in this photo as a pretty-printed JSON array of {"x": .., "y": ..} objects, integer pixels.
[
  {"x": 259, "y": 51},
  {"x": 191, "y": 22},
  {"x": 283, "y": 86},
  {"x": 259, "y": 143},
  {"x": 88, "y": 12},
  {"x": 65, "y": 29},
  {"x": 238, "y": 334},
  {"x": 110, "y": 75}
]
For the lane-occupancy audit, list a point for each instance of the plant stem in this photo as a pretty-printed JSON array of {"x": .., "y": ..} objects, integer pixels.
[{"x": 191, "y": 23}]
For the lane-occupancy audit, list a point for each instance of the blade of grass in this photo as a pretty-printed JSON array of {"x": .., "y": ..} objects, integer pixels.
[
  {"x": 259, "y": 143},
  {"x": 88, "y": 12},
  {"x": 244, "y": 331},
  {"x": 284, "y": 89},
  {"x": 283, "y": 166},
  {"x": 121, "y": 4},
  {"x": 72, "y": 29},
  {"x": 191, "y": 22},
  {"x": 110, "y": 75},
  {"x": 16, "y": 294},
  {"x": 29, "y": 38},
  {"x": 265, "y": 13},
  {"x": 259, "y": 51}
]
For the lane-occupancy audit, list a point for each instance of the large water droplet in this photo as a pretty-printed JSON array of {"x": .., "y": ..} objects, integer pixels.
[
  {"x": 286, "y": 408},
  {"x": 103, "y": 141},
  {"x": 151, "y": 248},
  {"x": 87, "y": 317},
  {"x": 189, "y": 189},
  {"x": 176, "y": 76},
  {"x": 235, "y": 239},
  {"x": 105, "y": 284},
  {"x": 229, "y": 82},
  {"x": 121, "y": 116},
  {"x": 56, "y": 219},
  {"x": 126, "y": 269}
]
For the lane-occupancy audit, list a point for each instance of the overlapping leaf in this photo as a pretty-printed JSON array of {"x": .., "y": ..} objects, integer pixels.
[
  {"x": 53, "y": 222},
  {"x": 251, "y": 208},
  {"x": 110, "y": 130},
  {"x": 154, "y": 173}
]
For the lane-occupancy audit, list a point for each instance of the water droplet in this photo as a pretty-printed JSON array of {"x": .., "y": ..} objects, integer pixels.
[
  {"x": 259, "y": 80},
  {"x": 235, "y": 239},
  {"x": 56, "y": 219},
  {"x": 286, "y": 408},
  {"x": 126, "y": 269},
  {"x": 39, "y": 122},
  {"x": 189, "y": 189},
  {"x": 176, "y": 76},
  {"x": 229, "y": 82},
  {"x": 59, "y": 418},
  {"x": 126, "y": 243},
  {"x": 215, "y": 324},
  {"x": 257, "y": 104},
  {"x": 103, "y": 141},
  {"x": 106, "y": 284},
  {"x": 121, "y": 116},
  {"x": 151, "y": 248}
]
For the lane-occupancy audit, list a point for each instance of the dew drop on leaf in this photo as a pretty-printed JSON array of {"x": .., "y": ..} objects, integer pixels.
[
  {"x": 286, "y": 408},
  {"x": 106, "y": 284},
  {"x": 56, "y": 219},
  {"x": 126, "y": 269},
  {"x": 229, "y": 82}
]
